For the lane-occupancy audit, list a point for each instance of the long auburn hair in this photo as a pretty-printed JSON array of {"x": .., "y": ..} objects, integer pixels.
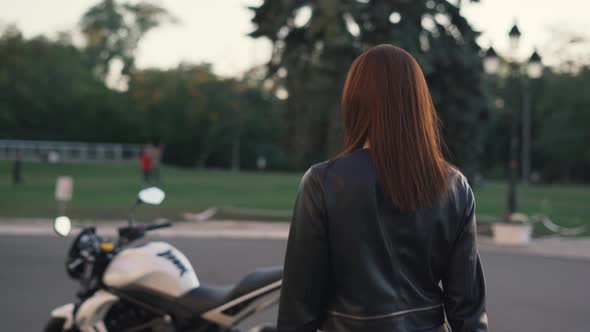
[{"x": 386, "y": 103}]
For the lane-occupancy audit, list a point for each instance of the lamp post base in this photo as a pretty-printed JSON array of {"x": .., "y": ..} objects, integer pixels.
[{"x": 512, "y": 234}]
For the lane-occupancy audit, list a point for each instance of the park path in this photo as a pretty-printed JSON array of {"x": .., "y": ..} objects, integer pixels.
[{"x": 550, "y": 246}]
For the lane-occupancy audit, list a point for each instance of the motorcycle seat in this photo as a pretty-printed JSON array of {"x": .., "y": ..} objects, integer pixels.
[
  {"x": 204, "y": 298},
  {"x": 256, "y": 280}
]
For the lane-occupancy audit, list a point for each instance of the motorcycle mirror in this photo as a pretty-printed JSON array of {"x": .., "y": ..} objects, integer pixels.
[
  {"x": 62, "y": 225},
  {"x": 152, "y": 196}
]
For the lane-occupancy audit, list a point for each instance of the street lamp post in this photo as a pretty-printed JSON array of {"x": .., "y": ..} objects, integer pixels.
[
  {"x": 514, "y": 37},
  {"x": 532, "y": 69}
]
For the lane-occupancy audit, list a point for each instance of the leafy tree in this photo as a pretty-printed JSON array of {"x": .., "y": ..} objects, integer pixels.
[
  {"x": 200, "y": 115},
  {"x": 560, "y": 126},
  {"x": 113, "y": 30},
  {"x": 48, "y": 91},
  {"x": 311, "y": 57}
]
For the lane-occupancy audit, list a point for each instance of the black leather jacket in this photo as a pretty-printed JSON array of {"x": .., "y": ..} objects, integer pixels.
[{"x": 355, "y": 263}]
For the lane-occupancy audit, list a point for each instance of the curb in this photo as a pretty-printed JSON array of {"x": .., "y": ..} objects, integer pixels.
[{"x": 206, "y": 229}]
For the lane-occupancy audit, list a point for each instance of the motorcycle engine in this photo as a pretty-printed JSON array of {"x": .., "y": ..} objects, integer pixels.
[{"x": 125, "y": 316}]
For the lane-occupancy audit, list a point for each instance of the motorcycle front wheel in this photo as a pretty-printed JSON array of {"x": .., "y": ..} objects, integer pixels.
[{"x": 55, "y": 324}]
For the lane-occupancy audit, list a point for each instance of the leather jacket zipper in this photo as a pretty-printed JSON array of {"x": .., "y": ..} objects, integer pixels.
[{"x": 393, "y": 314}]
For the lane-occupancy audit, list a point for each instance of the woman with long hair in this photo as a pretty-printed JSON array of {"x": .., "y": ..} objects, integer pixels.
[{"x": 383, "y": 236}]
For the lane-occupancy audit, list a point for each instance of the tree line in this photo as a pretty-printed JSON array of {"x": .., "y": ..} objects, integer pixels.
[{"x": 54, "y": 90}]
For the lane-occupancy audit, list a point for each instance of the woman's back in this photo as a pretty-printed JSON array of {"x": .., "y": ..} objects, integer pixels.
[
  {"x": 376, "y": 232},
  {"x": 382, "y": 267}
]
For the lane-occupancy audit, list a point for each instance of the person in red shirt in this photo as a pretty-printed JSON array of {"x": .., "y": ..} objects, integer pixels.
[{"x": 146, "y": 166}]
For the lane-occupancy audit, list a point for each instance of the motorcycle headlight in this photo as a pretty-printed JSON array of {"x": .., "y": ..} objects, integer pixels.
[{"x": 74, "y": 260}]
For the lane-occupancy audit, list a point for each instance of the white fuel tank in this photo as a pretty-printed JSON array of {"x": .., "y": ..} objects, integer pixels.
[{"x": 157, "y": 266}]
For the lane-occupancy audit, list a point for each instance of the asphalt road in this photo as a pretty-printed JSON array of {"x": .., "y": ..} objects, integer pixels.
[{"x": 525, "y": 293}]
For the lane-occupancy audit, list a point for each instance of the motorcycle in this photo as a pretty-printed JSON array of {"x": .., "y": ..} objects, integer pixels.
[{"x": 130, "y": 287}]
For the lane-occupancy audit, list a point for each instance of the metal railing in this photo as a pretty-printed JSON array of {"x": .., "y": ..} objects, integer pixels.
[{"x": 54, "y": 151}]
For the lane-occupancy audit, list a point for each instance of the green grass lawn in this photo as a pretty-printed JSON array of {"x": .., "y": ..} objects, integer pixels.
[
  {"x": 105, "y": 191},
  {"x": 108, "y": 190},
  {"x": 565, "y": 205}
]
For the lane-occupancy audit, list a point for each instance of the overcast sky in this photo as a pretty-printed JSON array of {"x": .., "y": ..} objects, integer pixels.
[{"x": 215, "y": 31}]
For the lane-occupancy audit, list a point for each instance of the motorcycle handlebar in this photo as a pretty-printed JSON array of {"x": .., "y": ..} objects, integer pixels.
[
  {"x": 152, "y": 227},
  {"x": 137, "y": 231}
]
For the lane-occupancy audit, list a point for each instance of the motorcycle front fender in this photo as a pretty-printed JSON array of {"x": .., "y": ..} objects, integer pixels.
[{"x": 65, "y": 312}]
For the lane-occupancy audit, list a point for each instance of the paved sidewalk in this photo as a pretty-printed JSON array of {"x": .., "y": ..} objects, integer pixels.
[{"x": 578, "y": 248}]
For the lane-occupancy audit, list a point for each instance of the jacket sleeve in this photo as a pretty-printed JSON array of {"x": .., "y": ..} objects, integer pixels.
[
  {"x": 306, "y": 271},
  {"x": 463, "y": 283}
]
